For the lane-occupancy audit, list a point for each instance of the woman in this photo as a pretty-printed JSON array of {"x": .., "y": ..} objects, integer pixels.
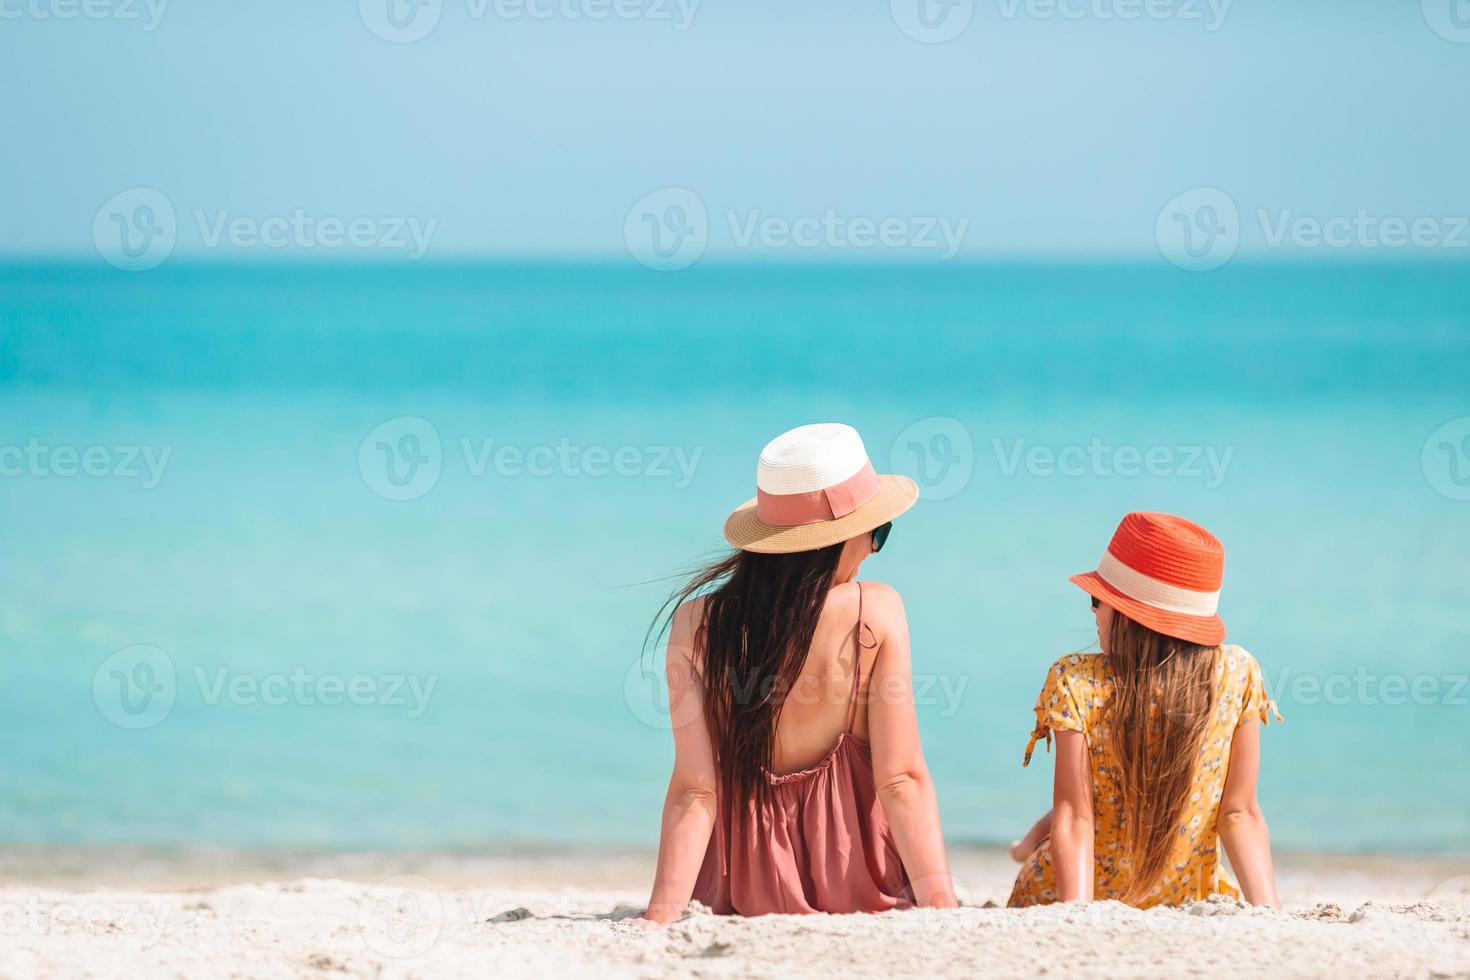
[
  {"x": 799, "y": 784},
  {"x": 1158, "y": 737}
]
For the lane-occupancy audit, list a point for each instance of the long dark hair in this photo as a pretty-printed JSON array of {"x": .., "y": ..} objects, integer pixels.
[
  {"x": 751, "y": 642},
  {"x": 1163, "y": 697}
]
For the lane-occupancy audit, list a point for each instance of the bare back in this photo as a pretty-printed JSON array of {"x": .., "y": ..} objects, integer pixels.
[
  {"x": 817, "y": 709},
  {"x": 834, "y": 676}
]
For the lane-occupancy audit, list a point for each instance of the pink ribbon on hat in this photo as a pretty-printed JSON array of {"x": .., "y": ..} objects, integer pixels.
[{"x": 816, "y": 506}]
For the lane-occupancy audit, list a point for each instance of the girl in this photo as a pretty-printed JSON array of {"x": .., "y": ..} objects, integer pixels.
[
  {"x": 1158, "y": 737},
  {"x": 799, "y": 783}
]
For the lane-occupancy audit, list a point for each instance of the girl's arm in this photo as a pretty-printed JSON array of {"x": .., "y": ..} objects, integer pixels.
[
  {"x": 902, "y": 776},
  {"x": 1241, "y": 824},
  {"x": 1072, "y": 818},
  {"x": 1021, "y": 849},
  {"x": 689, "y": 806}
]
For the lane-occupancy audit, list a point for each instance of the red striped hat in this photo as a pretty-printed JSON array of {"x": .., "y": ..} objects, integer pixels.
[{"x": 1164, "y": 572}]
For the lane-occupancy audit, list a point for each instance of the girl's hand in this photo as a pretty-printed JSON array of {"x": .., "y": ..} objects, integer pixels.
[
  {"x": 1021, "y": 849},
  {"x": 646, "y": 924}
]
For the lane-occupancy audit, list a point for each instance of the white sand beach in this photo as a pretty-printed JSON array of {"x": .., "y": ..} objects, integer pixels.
[{"x": 568, "y": 915}]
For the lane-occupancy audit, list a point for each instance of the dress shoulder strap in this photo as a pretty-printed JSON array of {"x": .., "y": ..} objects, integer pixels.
[{"x": 858, "y": 646}]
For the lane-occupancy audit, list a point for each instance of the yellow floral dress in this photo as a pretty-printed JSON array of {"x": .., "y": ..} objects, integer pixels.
[{"x": 1075, "y": 698}]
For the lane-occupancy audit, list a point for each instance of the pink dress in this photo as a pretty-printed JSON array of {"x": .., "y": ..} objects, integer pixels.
[{"x": 818, "y": 842}]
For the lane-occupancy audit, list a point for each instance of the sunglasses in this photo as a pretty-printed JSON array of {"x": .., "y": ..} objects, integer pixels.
[
  {"x": 1095, "y": 602},
  {"x": 880, "y": 536}
]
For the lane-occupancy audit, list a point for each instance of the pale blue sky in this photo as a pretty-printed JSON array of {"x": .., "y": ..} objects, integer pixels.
[{"x": 533, "y": 137}]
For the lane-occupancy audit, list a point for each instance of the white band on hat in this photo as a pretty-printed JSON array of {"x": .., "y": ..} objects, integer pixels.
[
  {"x": 810, "y": 458},
  {"x": 1160, "y": 595}
]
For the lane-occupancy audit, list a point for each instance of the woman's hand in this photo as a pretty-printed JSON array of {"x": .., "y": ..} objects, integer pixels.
[
  {"x": 690, "y": 804},
  {"x": 646, "y": 924},
  {"x": 905, "y": 788}
]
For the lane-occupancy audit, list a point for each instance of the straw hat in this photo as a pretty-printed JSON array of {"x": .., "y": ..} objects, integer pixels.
[
  {"x": 1164, "y": 572},
  {"x": 816, "y": 487}
]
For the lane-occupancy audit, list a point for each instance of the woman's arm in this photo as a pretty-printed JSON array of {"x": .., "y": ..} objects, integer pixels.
[
  {"x": 1072, "y": 819},
  {"x": 902, "y": 776},
  {"x": 689, "y": 806},
  {"x": 1241, "y": 824}
]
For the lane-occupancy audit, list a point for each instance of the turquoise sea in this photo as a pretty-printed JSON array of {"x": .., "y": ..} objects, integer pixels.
[{"x": 363, "y": 557}]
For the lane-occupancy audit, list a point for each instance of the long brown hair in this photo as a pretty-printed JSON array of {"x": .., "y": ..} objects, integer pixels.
[
  {"x": 1163, "y": 696},
  {"x": 760, "y": 613}
]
